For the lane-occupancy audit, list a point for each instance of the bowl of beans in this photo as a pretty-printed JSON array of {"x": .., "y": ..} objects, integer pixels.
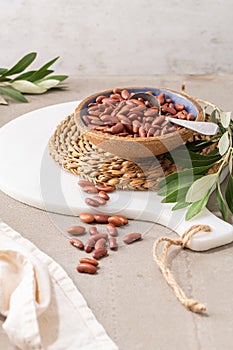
[{"x": 131, "y": 128}]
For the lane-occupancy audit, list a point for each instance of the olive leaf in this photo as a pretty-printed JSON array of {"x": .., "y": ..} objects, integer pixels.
[
  {"x": 21, "y": 65},
  {"x": 28, "y": 87},
  {"x": 229, "y": 193},
  {"x": 28, "y": 82},
  {"x": 196, "y": 207},
  {"x": 13, "y": 93},
  {"x": 200, "y": 188},
  {"x": 48, "y": 84},
  {"x": 224, "y": 143},
  {"x": 221, "y": 202},
  {"x": 225, "y": 119}
]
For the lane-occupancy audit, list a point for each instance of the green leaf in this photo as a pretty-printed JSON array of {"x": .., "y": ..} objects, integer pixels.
[
  {"x": 11, "y": 92},
  {"x": 213, "y": 118},
  {"x": 198, "y": 145},
  {"x": 200, "y": 188},
  {"x": 58, "y": 77},
  {"x": 180, "y": 205},
  {"x": 196, "y": 207},
  {"x": 3, "y": 70},
  {"x": 224, "y": 143},
  {"x": 3, "y": 101},
  {"x": 229, "y": 193},
  {"x": 225, "y": 119},
  {"x": 182, "y": 181},
  {"x": 27, "y": 87},
  {"x": 187, "y": 172},
  {"x": 176, "y": 196},
  {"x": 37, "y": 75},
  {"x": 24, "y": 76},
  {"x": 221, "y": 203},
  {"x": 22, "y": 64},
  {"x": 40, "y": 74}
]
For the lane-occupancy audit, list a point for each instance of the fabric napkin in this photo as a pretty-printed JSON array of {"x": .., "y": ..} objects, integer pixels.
[{"x": 42, "y": 306}]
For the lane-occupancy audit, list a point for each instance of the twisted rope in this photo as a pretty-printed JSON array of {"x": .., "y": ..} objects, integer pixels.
[{"x": 182, "y": 242}]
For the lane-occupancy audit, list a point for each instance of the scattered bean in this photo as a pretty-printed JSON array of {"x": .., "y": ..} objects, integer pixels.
[
  {"x": 115, "y": 220},
  {"x": 132, "y": 237},
  {"x": 113, "y": 243},
  {"x": 88, "y": 261},
  {"x": 89, "y": 245},
  {"x": 77, "y": 243},
  {"x": 106, "y": 188},
  {"x": 99, "y": 253},
  {"x": 101, "y": 218},
  {"x": 87, "y": 218},
  {"x": 90, "y": 189},
  {"x": 83, "y": 183},
  {"x": 112, "y": 229},
  {"x": 104, "y": 195},
  {"x": 95, "y": 238},
  {"x": 76, "y": 230},
  {"x": 101, "y": 243},
  {"x": 87, "y": 268},
  {"x": 93, "y": 230},
  {"x": 100, "y": 200},
  {"x": 91, "y": 202}
]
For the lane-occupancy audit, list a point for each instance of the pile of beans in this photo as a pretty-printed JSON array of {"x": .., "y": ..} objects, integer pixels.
[
  {"x": 98, "y": 243},
  {"x": 100, "y": 193},
  {"x": 121, "y": 116}
]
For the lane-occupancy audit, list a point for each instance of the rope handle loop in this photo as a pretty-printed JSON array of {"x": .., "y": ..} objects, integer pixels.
[{"x": 183, "y": 241}]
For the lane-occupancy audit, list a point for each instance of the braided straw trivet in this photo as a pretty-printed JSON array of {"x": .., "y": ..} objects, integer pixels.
[{"x": 76, "y": 154}]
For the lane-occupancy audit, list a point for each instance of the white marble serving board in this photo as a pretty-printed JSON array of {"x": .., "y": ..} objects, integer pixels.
[{"x": 29, "y": 175}]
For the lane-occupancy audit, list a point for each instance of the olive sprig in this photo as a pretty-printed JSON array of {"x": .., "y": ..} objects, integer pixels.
[
  {"x": 193, "y": 186},
  {"x": 15, "y": 82}
]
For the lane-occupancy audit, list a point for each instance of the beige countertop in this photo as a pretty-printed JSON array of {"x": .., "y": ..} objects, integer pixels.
[{"x": 129, "y": 295}]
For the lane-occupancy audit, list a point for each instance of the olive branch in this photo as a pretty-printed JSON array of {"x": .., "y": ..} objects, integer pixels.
[
  {"x": 15, "y": 82},
  {"x": 192, "y": 186}
]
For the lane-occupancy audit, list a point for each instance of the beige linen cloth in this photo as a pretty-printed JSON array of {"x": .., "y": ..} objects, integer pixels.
[{"x": 42, "y": 306}]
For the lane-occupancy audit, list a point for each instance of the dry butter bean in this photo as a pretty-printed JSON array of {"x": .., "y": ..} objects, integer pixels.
[
  {"x": 113, "y": 243},
  {"x": 123, "y": 219},
  {"x": 101, "y": 243},
  {"x": 132, "y": 237},
  {"x": 89, "y": 261},
  {"x": 76, "y": 230},
  {"x": 125, "y": 94},
  {"x": 106, "y": 188},
  {"x": 118, "y": 128},
  {"x": 88, "y": 218},
  {"x": 115, "y": 220},
  {"x": 87, "y": 268},
  {"x": 84, "y": 183},
  {"x": 112, "y": 229},
  {"x": 91, "y": 202},
  {"x": 77, "y": 243},
  {"x": 90, "y": 189},
  {"x": 99, "y": 236},
  {"x": 99, "y": 253},
  {"x": 89, "y": 245},
  {"x": 100, "y": 98},
  {"x": 93, "y": 230},
  {"x": 104, "y": 195},
  {"x": 100, "y": 200},
  {"x": 179, "y": 107},
  {"x": 101, "y": 218}
]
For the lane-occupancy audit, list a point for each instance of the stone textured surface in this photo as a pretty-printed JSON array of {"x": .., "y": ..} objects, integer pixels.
[
  {"x": 121, "y": 37},
  {"x": 129, "y": 295}
]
